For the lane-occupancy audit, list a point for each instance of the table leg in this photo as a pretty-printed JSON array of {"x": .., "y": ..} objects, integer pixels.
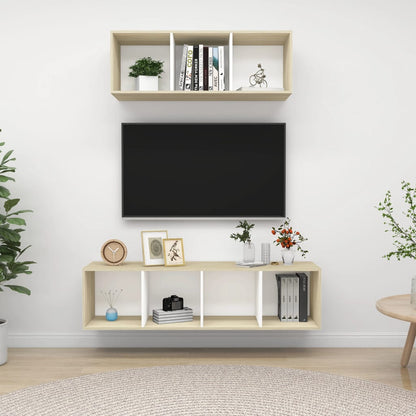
[{"x": 409, "y": 345}]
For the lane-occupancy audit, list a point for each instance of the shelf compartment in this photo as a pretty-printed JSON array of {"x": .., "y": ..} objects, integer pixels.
[
  {"x": 123, "y": 323},
  {"x": 192, "y": 325},
  {"x": 230, "y": 323},
  {"x": 274, "y": 323}
]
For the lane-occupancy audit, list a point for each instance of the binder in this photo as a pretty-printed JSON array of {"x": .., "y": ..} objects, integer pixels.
[
  {"x": 295, "y": 315},
  {"x": 303, "y": 297},
  {"x": 289, "y": 298}
]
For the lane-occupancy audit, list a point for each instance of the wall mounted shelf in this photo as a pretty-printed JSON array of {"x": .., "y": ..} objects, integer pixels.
[
  {"x": 201, "y": 272},
  {"x": 243, "y": 50}
]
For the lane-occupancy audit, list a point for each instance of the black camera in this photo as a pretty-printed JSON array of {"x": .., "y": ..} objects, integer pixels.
[{"x": 173, "y": 303}]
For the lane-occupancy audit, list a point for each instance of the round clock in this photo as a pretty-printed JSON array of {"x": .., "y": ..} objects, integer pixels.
[{"x": 114, "y": 252}]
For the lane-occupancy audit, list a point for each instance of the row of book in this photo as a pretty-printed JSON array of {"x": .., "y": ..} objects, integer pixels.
[
  {"x": 202, "y": 68},
  {"x": 170, "y": 317},
  {"x": 292, "y": 297}
]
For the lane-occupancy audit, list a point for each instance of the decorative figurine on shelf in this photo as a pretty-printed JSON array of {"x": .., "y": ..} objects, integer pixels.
[
  {"x": 258, "y": 78},
  {"x": 110, "y": 297}
]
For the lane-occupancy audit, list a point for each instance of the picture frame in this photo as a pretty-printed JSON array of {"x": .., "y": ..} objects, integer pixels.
[
  {"x": 173, "y": 252},
  {"x": 152, "y": 247}
]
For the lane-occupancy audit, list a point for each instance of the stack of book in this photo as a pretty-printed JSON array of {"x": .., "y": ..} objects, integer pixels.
[
  {"x": 169, "y": 317},
  {"x": 292, "y": 297},
  {"x": 202, "y": 68}
]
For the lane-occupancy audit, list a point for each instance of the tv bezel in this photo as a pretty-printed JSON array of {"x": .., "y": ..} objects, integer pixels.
[{"x": 173, "y": 218}]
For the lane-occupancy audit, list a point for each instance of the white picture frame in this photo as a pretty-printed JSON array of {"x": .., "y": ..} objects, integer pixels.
[{"x": 152, "y": 247}]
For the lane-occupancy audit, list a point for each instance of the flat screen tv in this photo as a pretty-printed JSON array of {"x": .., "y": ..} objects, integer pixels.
[{"x": 234, "y": 171}]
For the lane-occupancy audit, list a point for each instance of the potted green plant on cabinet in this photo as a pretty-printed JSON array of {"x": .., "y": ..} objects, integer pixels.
[
  {"x": 147, "y": 73},
  {"x": 11, "y": 226}
]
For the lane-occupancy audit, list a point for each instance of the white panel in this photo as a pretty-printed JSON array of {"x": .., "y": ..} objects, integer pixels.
[
  {"x": 172, "y": 62},
  {"x": 230, "y": 62},
  {"x": 201, "y": 302},
  {"x": 259, "y": 298},
  {"x": 145, "y": 296}
]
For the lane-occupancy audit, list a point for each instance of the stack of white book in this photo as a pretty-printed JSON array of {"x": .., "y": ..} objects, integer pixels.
[{"x": 169, "y": 317}]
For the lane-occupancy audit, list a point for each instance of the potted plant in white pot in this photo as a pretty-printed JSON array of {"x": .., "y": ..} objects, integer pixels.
[
  {"x": 147, "y": 73},
  {"x": 11, "y": 226}
]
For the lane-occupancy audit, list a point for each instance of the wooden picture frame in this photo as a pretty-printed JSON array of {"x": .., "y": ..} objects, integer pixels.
[
  {"x": 152, "y": 247},
  {"x": 173, "y": 252}
]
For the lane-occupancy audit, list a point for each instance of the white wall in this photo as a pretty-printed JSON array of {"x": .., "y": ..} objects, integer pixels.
[{"x": 350, "y": 135}]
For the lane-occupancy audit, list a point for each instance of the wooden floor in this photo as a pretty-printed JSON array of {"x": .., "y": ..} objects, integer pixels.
[{"x": 31, "y": 366}]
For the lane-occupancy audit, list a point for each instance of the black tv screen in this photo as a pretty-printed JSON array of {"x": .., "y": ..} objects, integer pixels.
[{"x": 203, "y": 170}]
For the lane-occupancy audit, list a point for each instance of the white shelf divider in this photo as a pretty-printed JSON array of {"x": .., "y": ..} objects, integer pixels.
[
  {"x": 144, "y": 278},
  {"x": 259, "y": 298},
  {"x": 201, "y": 301},
  {"x": 172, "y": 61},
  {"x": 230, "y": 62}
]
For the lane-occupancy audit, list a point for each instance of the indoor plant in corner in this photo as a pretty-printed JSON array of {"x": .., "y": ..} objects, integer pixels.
[
  {"x": 147, "y": 73},
  {"x": 10, "y": 246},
  {"x": 290, "y": 240},
  {"x": 245, "y": 237},
  {"x": 404, "y": 235}
]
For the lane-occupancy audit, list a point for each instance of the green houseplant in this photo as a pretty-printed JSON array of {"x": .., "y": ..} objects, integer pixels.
[
  {"x": 245, "y": 238},
  {"x": 147, "y": 72},
  {"x": 11, "y": 227}
]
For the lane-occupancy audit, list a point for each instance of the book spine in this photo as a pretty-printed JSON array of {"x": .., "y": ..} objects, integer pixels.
[
  {"x": 295, "y": 299},
  {"x": 284, "y": 299},
  {"x": 201, "y": 67},
  {"x": 195, "y": 70},
  {"x": 303, "y": 297},
  {"x": 183, "y": 68},
  {"x": 215, "y": 68},
  {"x": 290, "y": 299},
  {"x": 221, "y": 68},
  {"x": 188, "y": 73},
  {"x": 279, "y": 296},
  {"x": 210, "y": 68},
  {"x": 205, "y": 69}
]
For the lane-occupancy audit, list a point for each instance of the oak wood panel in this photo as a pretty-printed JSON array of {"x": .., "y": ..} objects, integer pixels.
[{"x": 32, "y": 366}]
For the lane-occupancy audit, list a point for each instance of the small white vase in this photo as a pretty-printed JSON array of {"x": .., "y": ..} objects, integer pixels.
[
  {"x": 3, "y": 341},
  {"x": 288, "y": 256},
  {"x": 147, "y": 83}
]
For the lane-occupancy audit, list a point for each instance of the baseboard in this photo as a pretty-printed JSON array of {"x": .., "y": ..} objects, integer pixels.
[{"x": 208, "y": 339}]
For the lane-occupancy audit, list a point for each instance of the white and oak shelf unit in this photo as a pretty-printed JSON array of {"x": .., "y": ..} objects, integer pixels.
[
  {"x": 201, "y": 271},
  {"x": 243, "y": 51}
]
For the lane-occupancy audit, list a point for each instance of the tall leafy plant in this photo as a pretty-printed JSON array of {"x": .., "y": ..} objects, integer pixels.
[{"x": 11, "y": 227}]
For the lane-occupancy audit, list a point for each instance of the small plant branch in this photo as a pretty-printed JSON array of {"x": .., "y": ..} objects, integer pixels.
[
  {"x": 287, "y": 237},
  {"x": 404, "y": 239},
  {"x": 245, "y": 236}
]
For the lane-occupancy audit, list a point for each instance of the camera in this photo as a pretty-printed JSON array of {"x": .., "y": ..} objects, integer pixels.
[{"x": 172, "y": 303}]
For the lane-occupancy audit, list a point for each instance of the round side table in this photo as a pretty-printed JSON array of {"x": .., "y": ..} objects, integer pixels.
[{"x": 399, "y": 307}]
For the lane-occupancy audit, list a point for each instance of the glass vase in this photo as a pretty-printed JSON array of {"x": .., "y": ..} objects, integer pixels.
[
  {"x": 248, "y": 253},
  {"x": 288, "y": 256},
  {"x": 111, "y": 314}
]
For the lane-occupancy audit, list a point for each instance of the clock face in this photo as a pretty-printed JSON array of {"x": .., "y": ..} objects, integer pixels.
[{"x": 113, "y": 252}]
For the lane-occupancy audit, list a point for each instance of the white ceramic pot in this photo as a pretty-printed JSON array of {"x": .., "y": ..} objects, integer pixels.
[
  {"x": 146, "y": 83},
  {"x": 3, "y": 341}
]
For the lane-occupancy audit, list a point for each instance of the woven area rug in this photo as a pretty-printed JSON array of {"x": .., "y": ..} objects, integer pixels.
[{"x": 210, "y": 390}]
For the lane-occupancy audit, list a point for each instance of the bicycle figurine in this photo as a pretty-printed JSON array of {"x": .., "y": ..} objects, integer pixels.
[{"x": 258, "y": 78}]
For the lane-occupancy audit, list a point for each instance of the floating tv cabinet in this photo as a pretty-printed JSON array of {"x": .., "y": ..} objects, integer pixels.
[
  {"x": 201, "y": 271},
  {"x": 243, "y": 51}
]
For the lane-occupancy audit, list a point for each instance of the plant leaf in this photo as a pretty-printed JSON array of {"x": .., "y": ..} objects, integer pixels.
[
  {"x": 20, "y": 289},
  {"x": 4, "y": 178},
  {"x": 10, "y": 203},
  {"x": 16, "y": 221},
  {"x": 9, "y": 235},
  {"x": 4, "y": 192},
  {"x": 6, "y": 258},
  {"x": 6, "y": 156},
  {"x": 22, "y": 211}
]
